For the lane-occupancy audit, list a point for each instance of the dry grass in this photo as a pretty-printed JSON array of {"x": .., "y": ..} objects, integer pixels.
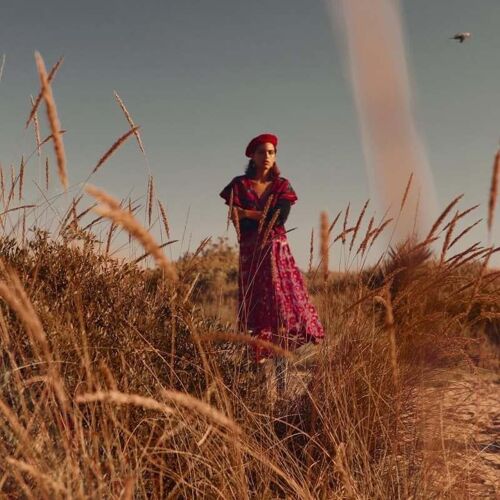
[
  {"x": 311, "y": 250},
  {"x": 119, "y": 383},
  {"x": 495, "y": 182},
  {"x": 53, "y": 118},
  {"x": 325, "y": 245},
  {"x": 37, "y": 128},
  {"x": 114, "y": 147},
  {"x": 149, "y": 206},
  {"x": 110, "y": 208},
  {"x": 130, "y": 121},
  {"x": 164, "y": 218},
  {"x": 169, "y": 398},
  {"x": 39, "y": 97}
]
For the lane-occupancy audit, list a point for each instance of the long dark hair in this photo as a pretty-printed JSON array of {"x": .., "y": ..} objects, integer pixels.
[{"x": 251, "y": 170}]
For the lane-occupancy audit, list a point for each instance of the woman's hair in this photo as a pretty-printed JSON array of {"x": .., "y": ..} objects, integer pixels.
[{"x": 250, "y": 170}]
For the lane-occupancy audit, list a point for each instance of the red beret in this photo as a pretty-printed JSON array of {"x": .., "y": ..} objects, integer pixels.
[{"x": 259, "y": 140}]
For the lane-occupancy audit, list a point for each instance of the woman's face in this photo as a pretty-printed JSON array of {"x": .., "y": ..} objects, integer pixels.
[{"x": 264, "y": 156}]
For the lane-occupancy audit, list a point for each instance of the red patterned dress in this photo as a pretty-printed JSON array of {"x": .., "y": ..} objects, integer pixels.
[{"x": 273, "y": 302}]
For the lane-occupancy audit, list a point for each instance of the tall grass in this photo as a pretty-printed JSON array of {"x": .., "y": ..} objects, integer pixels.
[{"x": 123, "y": 378}]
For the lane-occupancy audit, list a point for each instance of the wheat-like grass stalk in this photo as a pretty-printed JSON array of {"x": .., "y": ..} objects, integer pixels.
[
  {"x": 38, "y": 99},
  {"x": 108, "y": 376},
  {"x": 341, "y": 466},
  {"x": 332, "y": 225},
  {"x": 378, "y": 231},
  {"x": 2, "y": 183},
  {"x": 16, "y": 208},
  {"x": 391, "y": 331},
  {"x": 130, "y": 212},
  {"x": 464, "y": 232},
  {"x": 344, "y": 225},
  {"x": 23, "y": 227},
  {"x": 147, "y": 254},
  {"x": 368, "y": 234},
  {"x": 236, "y": 222},
  {"x": 407, "y": 190},
  {"x": 110, "y": 208},
  {"x": 129, "y": 119},
  {"x": 2, "y": 66},
  {"x": 201, "y": 247},
  {"x": 111, "y": 230},
  {"x": 447, "y": 238},
  {"x": 343, "y": 234},
  {"x": 21, "y": 179},
  {"x": 270, "y": 226},
  {"x": 17, "y": 427},
  {"x": 461, "y": 215},
  {"x": 479, "y": 278},
  {"x": 15, "y": 296},
  {"x": 311, "y": 250},
  {"x": 44, "y": 480},
  {"x": 114, "y": 147},
  {"x": 46, "y": 173},
  {"x": 495, "y": 181},
  {"x": 94, "y": 221},
  {"x": 53, "y": 119},
  {"x": 230, "y": 208},
  {"x": 358, "y": 224},
  {"x": 240, "y": 338},
  {"x": 150, "y": 198},
  {"x": 13, "y": 182},
  {"x": 324, "y": 244},
  {"x": 444, "y": 213},
  {"x": 128, "y": 489},
  {"x": 123, "y": 218},
  {"x": 469, "y": 252},
  {"x": 263, "y": 216},
  {"x": 121, "y": 398},
  {"x": 164, "y": 218},
  {"x": 37, "y": 128},
  {"x": 191, "y": 288},
  {"x": 48, "y": 138},
  {"x": 198, "y": 406},
  {"x": 102, "y": 196},
  {"x": 66, "y": 217},
  {"x": 148, "y": 403},
  {"x": 74, "y": 203}
]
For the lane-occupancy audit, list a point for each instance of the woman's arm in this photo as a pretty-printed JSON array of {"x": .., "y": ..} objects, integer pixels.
[
  {"x": 284, "y": 210},
  {"x": 283, "y": 206},
  {"x": 244, "y": 213}
]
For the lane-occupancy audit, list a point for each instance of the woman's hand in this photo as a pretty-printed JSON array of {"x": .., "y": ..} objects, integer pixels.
[{"x": 248, "y": 214}]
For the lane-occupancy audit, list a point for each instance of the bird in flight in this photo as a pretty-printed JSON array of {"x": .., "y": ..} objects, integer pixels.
[{"x": 461, "y": 37}]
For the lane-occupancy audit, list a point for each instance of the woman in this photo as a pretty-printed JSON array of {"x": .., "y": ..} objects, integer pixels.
[{"x": 274, "y": 304}]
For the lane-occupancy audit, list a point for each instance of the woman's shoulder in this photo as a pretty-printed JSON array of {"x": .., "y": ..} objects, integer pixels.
[
  {"x": 285, "y": 190},
  {"x": 283, "y": 182},
  {"x": 238, "y": 179}
]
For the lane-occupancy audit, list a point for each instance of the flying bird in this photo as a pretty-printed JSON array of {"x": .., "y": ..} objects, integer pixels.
[{"x": 461, "y": 37}]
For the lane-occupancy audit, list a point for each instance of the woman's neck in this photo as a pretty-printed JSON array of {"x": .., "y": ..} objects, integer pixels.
[{"x": 262, "y": 175}]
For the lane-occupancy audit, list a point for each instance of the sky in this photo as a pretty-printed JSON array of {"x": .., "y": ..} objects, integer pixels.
[{"x": 203, "y": 78}]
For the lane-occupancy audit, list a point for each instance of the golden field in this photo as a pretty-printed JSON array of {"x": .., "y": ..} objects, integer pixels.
[{"x": 124, "y": 378}]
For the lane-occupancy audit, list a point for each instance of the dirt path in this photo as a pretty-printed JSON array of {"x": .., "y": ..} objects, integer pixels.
[
  {"x": 458, "y": 415},
  {"x": 462, "y": 434}
]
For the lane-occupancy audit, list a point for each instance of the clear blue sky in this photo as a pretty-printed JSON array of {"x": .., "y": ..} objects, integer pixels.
[{"x": 202, "y": 78}]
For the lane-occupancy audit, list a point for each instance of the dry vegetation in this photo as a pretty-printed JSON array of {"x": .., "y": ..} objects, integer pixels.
[{"x": 125, "y": 380}]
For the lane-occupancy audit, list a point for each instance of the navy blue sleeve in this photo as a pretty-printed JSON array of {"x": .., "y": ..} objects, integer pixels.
[{"x": 284, "y": 208}]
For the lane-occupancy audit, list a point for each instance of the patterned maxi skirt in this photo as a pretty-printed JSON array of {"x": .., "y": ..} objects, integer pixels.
[{"x": 274, "y": 304}]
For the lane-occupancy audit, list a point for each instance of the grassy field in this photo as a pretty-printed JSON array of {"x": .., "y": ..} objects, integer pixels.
[{"x": 124, "y": 378}]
